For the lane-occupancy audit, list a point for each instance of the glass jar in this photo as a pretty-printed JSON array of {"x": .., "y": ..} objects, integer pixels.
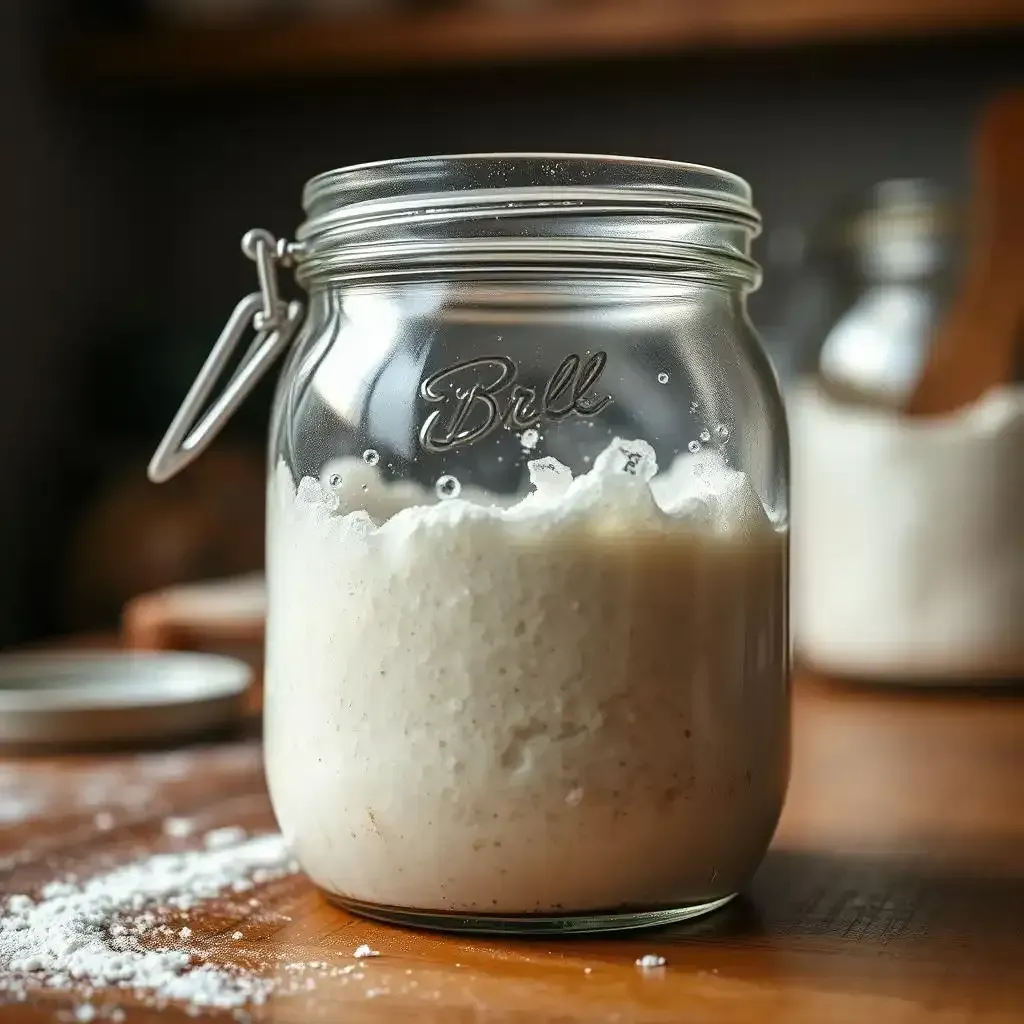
[
  {"x": 527, "y": 652},
  {"x": 909, "y": 545},
  {"x": 890, "y": 259}
]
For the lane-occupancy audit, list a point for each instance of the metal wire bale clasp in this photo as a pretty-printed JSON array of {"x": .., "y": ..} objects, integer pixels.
[{"x": 275, "y": 323}]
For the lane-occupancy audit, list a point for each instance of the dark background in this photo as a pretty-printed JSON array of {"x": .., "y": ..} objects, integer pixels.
[{"x": 122, "y": 202}]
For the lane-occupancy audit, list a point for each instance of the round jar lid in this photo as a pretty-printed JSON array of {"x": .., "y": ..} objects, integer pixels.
[
  {"x": 524, "y": 211},
  {"x": 87, "y": 697}
]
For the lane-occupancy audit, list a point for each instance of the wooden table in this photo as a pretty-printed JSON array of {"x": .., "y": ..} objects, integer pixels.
[{"x": 894, "y": 890}]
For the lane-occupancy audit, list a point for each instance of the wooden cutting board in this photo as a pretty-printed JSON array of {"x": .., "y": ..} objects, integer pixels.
[{"x": 215, "y": 617}]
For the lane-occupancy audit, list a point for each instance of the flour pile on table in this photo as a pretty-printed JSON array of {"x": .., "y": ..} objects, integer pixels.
[{"x": 80, "y": 934}]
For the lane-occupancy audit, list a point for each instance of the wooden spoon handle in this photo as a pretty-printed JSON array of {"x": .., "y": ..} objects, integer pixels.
[{"x": 977, "y": 349}]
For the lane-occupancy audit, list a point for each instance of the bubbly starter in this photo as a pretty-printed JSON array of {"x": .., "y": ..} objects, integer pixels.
[{"x": 576, "y": 703}]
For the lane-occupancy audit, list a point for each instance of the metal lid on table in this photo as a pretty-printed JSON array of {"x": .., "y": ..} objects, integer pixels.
[{"x": 90, "y": 697}]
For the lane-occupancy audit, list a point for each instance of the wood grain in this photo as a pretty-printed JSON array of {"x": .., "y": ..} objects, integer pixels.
[
  {"x": 469, "y": 34},
  {"x": 894, "y": 891}
]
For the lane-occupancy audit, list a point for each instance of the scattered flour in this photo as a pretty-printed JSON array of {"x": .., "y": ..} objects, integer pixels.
[
  {"x": 365, "y": 951},
  {"x": 16, "y": 807},
  {"x": 78, "y": 934},
  {"x": 221, "y": 838},
  {"x": 650, "y": 962},
  {"x": 178, "y": 828},
  {"x": 30, "y": 790}
]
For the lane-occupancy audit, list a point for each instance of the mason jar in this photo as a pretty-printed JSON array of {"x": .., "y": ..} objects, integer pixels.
[{"x": 527, "y": 636}]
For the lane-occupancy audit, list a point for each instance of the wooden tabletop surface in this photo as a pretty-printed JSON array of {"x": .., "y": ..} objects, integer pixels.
[{"x": 894, "y": 890}]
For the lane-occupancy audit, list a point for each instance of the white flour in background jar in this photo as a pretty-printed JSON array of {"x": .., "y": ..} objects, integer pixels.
[
  {"x": 579, "y": 702},
  {"x": 908, "y": 558}
]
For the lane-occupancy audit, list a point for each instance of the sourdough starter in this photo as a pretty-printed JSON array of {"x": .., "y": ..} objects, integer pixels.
[{"x": 576, "y": 703}]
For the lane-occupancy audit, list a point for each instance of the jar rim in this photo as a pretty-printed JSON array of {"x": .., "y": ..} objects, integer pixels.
[
  {"x": 531, "y": 206},
  {"x": 381, "y": 179}
]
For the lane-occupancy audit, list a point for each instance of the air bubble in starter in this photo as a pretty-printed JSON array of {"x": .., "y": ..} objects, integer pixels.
[
  {"x": 529, "y": 438},
  {"x": 694, "y": 446},
  {"x": 722, "y": 432},
  {"x": 447, "y": 487},
  {"x": 705, "y": 436},
  {"x": 370, "y": 457},
  {"x": 334, "y": 480},
  {"x": 662, "y": 378}
]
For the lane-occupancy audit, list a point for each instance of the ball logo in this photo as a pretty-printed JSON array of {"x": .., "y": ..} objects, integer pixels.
[{"x": 481, "y": 395}]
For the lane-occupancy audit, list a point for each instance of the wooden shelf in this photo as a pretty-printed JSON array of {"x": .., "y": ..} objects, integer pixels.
[{"x": 566, "y": 30}]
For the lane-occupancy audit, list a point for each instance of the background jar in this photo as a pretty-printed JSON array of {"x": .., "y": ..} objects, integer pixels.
[{"x": 908, "y": 560}]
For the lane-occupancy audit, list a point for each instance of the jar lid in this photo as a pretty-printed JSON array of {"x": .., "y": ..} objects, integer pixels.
[
  {"x": 391, "y": 181},
  {"x": 88, "y": 697},
  {"x": 526, "y": 209}
]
